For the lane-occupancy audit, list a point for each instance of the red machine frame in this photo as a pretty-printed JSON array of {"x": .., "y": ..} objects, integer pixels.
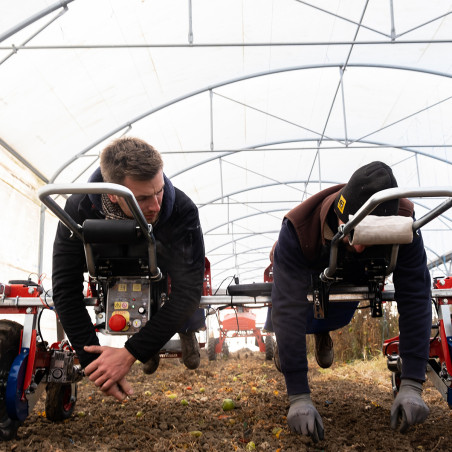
[
  {"x": 240, "y": 321},
  {"x": 36, "y": 366},
  {"x": 439, "y": 368}
]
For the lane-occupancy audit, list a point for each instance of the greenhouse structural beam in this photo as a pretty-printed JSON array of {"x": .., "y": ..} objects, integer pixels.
[{"x": 12, "y": 31}]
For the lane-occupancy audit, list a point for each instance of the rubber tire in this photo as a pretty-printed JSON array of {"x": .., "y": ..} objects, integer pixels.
[
  {"x": 269, "y": 347},
  {"x": 59, "y": 403},
  {"x": 10, "y": 333},
  {"x": 225, "y": 350},
  {"x": 211, "y": 343}
]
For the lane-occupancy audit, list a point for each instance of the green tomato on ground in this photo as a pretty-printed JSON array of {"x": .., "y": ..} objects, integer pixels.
[{"x": 228, "y": 404}]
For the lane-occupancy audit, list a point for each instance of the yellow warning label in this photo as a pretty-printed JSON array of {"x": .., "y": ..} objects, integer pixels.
[
  {"x": 122, "y": 287},
  {"x": 125, "y": 314},
  {"x": 341, "y": 204},
  {"x": 136, "y": 287}
]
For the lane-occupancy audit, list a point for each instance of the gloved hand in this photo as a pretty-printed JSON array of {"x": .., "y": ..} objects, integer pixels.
[
  {"x": 303, "y": 418},
  {"x": 408, "y": 406}
]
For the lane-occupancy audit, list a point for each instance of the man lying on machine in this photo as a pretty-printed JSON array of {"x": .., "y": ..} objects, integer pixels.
[
  {"x": 302, "y": 252},
  {"x": 135, "y": 164}
]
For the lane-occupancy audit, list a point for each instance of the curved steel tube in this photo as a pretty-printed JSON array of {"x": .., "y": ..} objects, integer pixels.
[
  {"x": 373, "y": 202},
  {"x": 101, "y": 188}
]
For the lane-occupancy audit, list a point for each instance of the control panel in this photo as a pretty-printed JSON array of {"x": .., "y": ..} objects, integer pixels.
[{"x": 127, "y": 306}]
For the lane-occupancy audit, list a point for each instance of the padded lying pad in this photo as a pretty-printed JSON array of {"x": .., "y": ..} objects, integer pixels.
[
  {"x": 110, "y": 231},
  {"x": 250, "y": 290},
  {"x": 375, "y": 230}
]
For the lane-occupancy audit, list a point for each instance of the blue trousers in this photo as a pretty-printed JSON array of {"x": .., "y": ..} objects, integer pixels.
[
  {"x": 339, "y": 315},
  {"x": 196, "y": 322}
]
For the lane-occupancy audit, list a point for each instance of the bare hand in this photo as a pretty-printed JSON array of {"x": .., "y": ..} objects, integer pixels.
[
  {"x": 107, "y": 372},
  {"x": 120, "y": 391}
]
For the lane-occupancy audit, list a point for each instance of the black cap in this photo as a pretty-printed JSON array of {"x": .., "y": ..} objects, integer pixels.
[{"x": 366, "y": 181}]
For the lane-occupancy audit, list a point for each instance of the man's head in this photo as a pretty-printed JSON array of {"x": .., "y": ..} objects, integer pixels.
[
  {"x": 139, "y": 167},
  {"x": 129, "y": 157},
  {"x": 365, "y": 182}
]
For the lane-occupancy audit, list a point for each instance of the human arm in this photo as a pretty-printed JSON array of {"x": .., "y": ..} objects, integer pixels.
[
  {"x": 291, "y": 279},
  {"x": 67, "y": 283},
  {"x": 108, "y": 371},
  {"x": 180, "y": 254},
  {"x": 413, "y": 295}
]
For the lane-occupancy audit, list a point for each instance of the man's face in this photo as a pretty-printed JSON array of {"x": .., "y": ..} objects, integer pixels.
[
  {"x": 352, "y": 248},
  {"x": 148, "y": 193}
]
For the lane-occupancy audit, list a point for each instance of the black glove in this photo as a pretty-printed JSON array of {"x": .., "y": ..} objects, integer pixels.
[
  {"x": 303, "y": 418},
  {"x": 408, "y": 406}
]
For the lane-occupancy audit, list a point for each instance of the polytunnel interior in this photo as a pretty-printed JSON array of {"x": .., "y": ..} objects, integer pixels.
[{"x": 252, "y": 112}]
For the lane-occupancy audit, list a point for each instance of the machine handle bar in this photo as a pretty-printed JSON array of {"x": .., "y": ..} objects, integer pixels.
[
  {"x": 45, "y": 192},
  {"x": 375, "y": 200}
]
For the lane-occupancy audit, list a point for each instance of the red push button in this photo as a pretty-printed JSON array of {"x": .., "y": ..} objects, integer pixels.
[{"x": 117, "y": 322}]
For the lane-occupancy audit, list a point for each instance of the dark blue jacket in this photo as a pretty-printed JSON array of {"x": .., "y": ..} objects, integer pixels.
[
  {"x": 180, "y": 253},
  {"x": 292, "y": 314}
]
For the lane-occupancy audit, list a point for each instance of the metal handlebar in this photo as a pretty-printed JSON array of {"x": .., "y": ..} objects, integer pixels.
[
  {"x": 45, "y": 192},
  {"x": 375, "y": 200}
]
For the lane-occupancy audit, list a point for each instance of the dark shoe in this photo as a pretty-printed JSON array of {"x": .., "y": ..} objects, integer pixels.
[
  {"x": 150, "y": 366},
  {"x": 190, "y": 350},
  {"x": 324, "y": 352}
]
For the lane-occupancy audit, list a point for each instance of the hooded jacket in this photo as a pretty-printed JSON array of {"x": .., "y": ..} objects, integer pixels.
[
  {"x": 180, "y": 254},
  {"x": 301, "y": 251}
]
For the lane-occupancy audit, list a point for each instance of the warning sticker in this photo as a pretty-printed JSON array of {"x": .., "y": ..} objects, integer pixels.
[{"x": 341, "y": 204}]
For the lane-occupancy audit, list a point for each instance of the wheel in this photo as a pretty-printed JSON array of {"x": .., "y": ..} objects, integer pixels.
[
  {"x": 269, "y": 346},
  {"x": 60, "y": 400},
  {"x": 9, "y": 348},
  {"x": 225, "y": 350},
  {"x": 276, "y": 356},
  {"x": 212, "y": 342}
]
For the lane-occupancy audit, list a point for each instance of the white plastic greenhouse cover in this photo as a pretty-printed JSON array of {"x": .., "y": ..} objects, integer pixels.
[{"x": 254, "y": 104}]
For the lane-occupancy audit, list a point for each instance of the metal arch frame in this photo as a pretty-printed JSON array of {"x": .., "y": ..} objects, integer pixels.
[
  {"x": 236, "y": 80},
  {"x": 255, "y": 250},
  {"x": 63, "y": 4},
  {"x": 264, "y": 212},
  {"x": 258, "y": 187},
  {"x": 440, "y": 259},
  {"x": 32, "y": 19},
  {"x": 276, "y": 231},
  {"x": 262, "y": 146},
  {"x": 247, "y": 270},
  {"x": 209, "y": 88},
  {"x": 248, "y": 251}
]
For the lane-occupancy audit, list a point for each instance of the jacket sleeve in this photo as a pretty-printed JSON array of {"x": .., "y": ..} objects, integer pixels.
[
  {"x": 291, "y": 280},
  {"x": 413, "y": 295},
  {"x": 67, "y": 286},
  {"x": 183, "y": 258}
]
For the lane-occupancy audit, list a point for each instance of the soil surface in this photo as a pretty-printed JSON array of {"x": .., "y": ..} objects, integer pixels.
[{"x": 181, "y": 410}]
